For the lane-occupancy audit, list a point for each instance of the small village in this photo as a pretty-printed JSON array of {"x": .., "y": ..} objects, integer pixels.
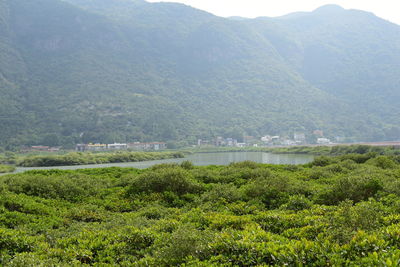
[
  {"x": 99, "y": 147},
  {"x": 297, "y": 139},
  {"x": 268, "y": 140},
  {"x": 136, "y": 146}
]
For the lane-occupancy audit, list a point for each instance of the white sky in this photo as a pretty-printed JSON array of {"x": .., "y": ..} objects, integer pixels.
[{"x": 387, "y": 9}]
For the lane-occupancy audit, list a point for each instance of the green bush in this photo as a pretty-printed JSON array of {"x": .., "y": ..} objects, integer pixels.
[
  {"x": 222, "y": 192},
  {"x": 176, "y": 180},
  {"x": 187, "y": 165},
  {"x": 322, "y": 161},
  {"x": 6, "y": 168},
  {"x": 31, "y": 259},
  {"x": 80, "y": 158},
  {"x": 245, "y": 164},
  {"x": 154, "y": 212},
  {"x": 272, "y": 191},
  {"x": 13, "y": 242},
  {"x": 48, "y": 184},
  {"x": 85, "y": 213},
  {"x": 297, "y": 203},
  {"x": 182, "y": 244},
  {"x": 356, "y": 188},
  {"x": 383, "y": 162},
  {"x": 358, "y": 158},
  {"x": 347, "y": 220}
]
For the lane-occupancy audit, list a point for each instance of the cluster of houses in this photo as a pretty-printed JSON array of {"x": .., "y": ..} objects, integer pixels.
[
  {"x": 298, "y": 138},
  {"x": 267, "y": 140},
  {"x": 124, "y": 146},
  {"x": 219, "y": 141},
  {"x": 323, "y": 141},
  {"x": 229, "y": 142}
]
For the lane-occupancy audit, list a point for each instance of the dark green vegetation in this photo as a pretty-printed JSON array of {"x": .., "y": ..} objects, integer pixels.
[
  {"x": 6, "y": 168},
  {"x": 335, "y": 150},
  {"x": 115, "y": 70},
  {"x": 335, "y": 211},
  {"x": 79, "y": 158}
]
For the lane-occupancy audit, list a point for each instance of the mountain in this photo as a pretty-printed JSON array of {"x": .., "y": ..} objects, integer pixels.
[
  {"x": 120, "y": 70},
  {"x": 350, "y": 54}
]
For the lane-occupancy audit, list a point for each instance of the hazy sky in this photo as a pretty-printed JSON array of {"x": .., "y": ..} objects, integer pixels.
[{"x": 387, "y": 9}]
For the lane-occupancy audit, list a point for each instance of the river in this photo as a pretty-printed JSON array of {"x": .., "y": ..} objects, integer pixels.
[{"x": 198, "y": 159}]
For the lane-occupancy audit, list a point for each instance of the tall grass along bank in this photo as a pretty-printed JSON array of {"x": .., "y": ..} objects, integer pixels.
[{"x": 79, "y": 158}]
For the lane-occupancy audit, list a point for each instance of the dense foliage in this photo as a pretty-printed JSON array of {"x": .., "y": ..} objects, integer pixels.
[
  {"x": 334, "y": 211},
  {"x": 335, "y": 150},
  {"x": 6, "y": 168},
  {"x": 79, "y": 71},
  {"x": 83, "y": 158}
]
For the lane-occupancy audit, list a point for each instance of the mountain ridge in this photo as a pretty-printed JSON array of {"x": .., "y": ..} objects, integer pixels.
[{"x": 149, "y": 74}]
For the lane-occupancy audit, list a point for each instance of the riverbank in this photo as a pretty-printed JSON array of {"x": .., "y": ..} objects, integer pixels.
[
  {"x": 338, "y": 150},
  {"x": 79, "y": 158},
  {"x": 87, "y": 158},
  {"x": 197, "y": 159},
  {"x": 316, "y": 150},
  {"x": 6, "y": 168}
]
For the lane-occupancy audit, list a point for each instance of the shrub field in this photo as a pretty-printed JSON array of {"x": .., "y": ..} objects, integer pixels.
[
  {"x": 84, "y": 158},
  {"x": 6, "y": 168},
  {"x": 335, "y": 211}
]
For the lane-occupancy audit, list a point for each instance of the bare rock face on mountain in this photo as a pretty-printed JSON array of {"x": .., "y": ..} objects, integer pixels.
[{"x": 119, "y": 70}]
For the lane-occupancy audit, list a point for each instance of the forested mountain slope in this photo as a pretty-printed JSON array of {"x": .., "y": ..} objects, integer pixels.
[
  {"x": 350, "y": 54},
  {"x": 119, "y": 70}
]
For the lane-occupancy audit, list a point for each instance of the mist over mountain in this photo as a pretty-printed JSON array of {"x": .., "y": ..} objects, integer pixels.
[{"x": 120, "y": 70}]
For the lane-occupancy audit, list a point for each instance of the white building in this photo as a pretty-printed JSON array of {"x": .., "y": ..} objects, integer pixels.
[
  {"x": 117, "y": 146},
  {"x": 147, "y": 146},
  {"x": 323, "y": 141},
  {"x": 299, "y": 137},
  {"x": 266, "y": 139}
]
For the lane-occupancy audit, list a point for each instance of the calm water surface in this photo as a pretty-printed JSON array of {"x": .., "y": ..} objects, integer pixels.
[{"x": 199, "y": 159}]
